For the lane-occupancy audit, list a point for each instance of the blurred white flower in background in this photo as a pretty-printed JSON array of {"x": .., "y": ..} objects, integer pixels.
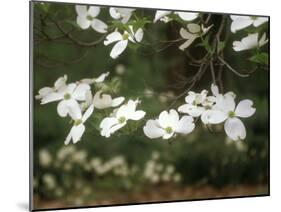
[
  {"x": 168, "y": 125},
  {"x": 119, "y": 119},
  {"x": 88, "y": 17},
  {"x": 49, "y": 180},
  {"x": 120, "y": 69},
  {"x": 240, "y": 22},
  {"x": 122, "y": 40},
  {"x": 45, "y": 158},
  {"x": 249, "y": 42},
  {"x": 122, "y": 14}
]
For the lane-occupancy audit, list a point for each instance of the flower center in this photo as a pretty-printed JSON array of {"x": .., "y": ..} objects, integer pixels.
[
  {"x": 90, "y": 18},
  {"x": 169, "y": 130},
  {"x": 194, "y": 103},
  {"x": 67, "y": 96},
  {"x": 125, "y": 36},
  {"x": 121, "y": 120},
  {"x": 77, "y": 122},
  {"x": 231, "y": 114}
]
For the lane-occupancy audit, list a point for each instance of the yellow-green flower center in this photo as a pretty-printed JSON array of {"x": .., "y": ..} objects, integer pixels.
[
  {"x": 125, "y": 36},
  {"x": 77, "y": 122},
  {"x": 121, "y": 120},
  {"x": 231, "y": 114},
  {"x": 67, "y": 96},
  {"x": 90, "y": 18},
  {"x": 169, "y": 130},
  {"x": 254, "y": 18}
]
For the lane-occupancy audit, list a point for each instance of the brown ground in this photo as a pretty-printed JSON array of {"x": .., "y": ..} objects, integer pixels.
[{"x": 157, "y": 194}]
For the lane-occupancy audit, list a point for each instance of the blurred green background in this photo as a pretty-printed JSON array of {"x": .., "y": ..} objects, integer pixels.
[{"x": 118, "y": 169}]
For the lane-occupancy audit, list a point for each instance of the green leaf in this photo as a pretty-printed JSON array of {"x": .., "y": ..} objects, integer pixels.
[{"x": 261, "y": 58}]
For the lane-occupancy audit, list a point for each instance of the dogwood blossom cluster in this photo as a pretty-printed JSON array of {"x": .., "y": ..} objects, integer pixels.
[
  {"x": 76, "y": 101},
  {"x": 214, "y": 109}
]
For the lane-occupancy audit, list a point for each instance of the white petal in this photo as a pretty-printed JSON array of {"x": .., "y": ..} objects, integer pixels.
[
  {"x": 263, "y": 40},
  {"x": 168, "y": 119},
  {"x": 235, "y": 129},
  {"x": 228, "y": 103},
  {"x": 114, "y": 13},
  {"x": 99, "y": 26},
  {"x": 240, "y": 23},
  {"x": 185, "y": 34},
  {"x": 102, "y": 77},
  {"x": 69, "y": 88},
  {"x": 83, "y": 22},
  {"x": 249, "y": 42},
  {"x": 70, "y": 107},
  {"x": 102, "y": 101},
  {"x": 192, "y": 110},
  {"x": 213, "y": 117},
  {"x": 168, "y": 136},
  {"x": 88, "y": 113},
  {"x": 52, "y": 97},
  {"x": 81, "y": 10},
  {"x": 259, "y": 21},
  {"x": 159, "y": 14},
  {"x": 112, "y": 37},
  {"x": 117, "y": 101},
  {"x": 187, "y": 16},
  {"x": 185, "y": 125},
  {"x": 106, "y": 124},
  {"x": 152, "y": 129},
  {"x": 244, "y": 109},
  {"x": 126, "y": 18},
  {"x": 186, "y": 44},
  {"x": 118, "y": 48},
  {"x": 193, "y": 28},
  {"x": 116, "y": 127},
  {"x": 139, "y": 114},
  {"x": 127, "y": 110},
  {"x": 94, "y": 11},
  {"x": 80, "y": 92},
  {"x": 77, "y": 132},
  {"x": 60, "y": 82},
  {"x": 44, "y": 92},
  {"x": 215, "y": 90},
  {"x": 139, "y": 35},
  {"x": 68, "y": 138}
]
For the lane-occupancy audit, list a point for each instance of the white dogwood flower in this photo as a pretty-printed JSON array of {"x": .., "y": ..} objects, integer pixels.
[
  {"x": 186, "y": 16},
  {"x": 227, "y": 111},
  {"x": 168, "y": 125},
  {"x": 99, "y": 79},
  {"x": 78, "y": 127},
  {"x": 123, "y": 14},
  {"x": 88, "y": 17},
  {"x": 249, "y": 42},
  {"x": 193, "y": 104},
  {"x": 120, "y": 117},
  {"x": 102, "y": 101},
  {"x": 59, "y": 83},
  {"x": 193, "y": 32},
  {"x": 68, "y": 97},
  {"x": 240, "y": 22},
  {"x": 122, "y": 40}
]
